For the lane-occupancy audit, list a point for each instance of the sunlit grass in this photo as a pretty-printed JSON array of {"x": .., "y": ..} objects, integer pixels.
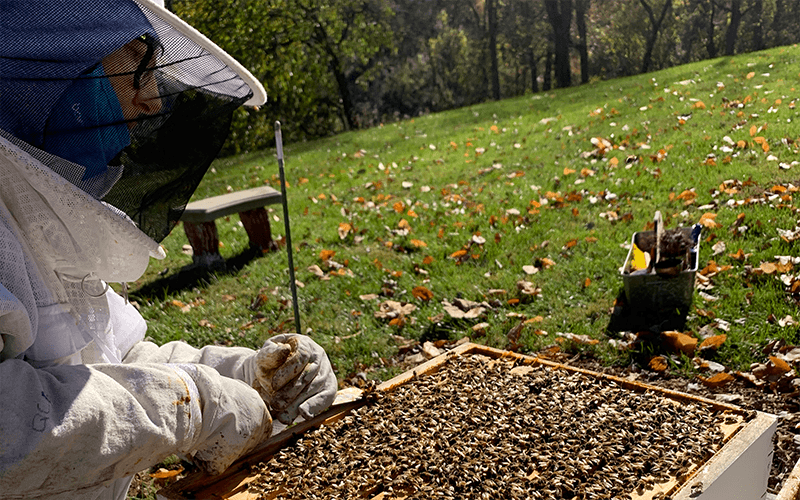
[{"x": 513, "y": 173}]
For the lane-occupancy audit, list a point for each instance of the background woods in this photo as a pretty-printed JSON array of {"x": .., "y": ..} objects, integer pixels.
[{"x": 331, "y": 66}]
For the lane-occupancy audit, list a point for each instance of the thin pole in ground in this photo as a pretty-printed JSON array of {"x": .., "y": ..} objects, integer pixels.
[{"x": 279, "y": 145}]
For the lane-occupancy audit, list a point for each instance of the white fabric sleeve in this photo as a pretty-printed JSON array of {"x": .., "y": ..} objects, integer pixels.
[
  {"x": 232, "y": 362},
  {"x": 66, "y": 430}
]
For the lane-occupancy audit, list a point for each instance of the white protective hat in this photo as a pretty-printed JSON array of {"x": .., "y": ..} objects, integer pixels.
[{"x": 121, "y": 98}]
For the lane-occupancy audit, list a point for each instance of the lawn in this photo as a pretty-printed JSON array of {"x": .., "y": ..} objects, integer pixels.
[{"x": 526, "y": 205}]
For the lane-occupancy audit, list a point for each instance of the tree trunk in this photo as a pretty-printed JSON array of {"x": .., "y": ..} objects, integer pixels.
[
  {"x": 711, "y": 47},
  {"x": 732, "y": 34},
  {"x": 758, "y": 31},
  {"x": 559, "y": 13},
  {"x": 345, "y": 97},
  {"x": 491, "y": 14},
  {"x": 547, "y": 84},
  {"x": 655, "y": 27},
  {"x": 581, "y": 6},
  {"x": 534, "y": 72}
]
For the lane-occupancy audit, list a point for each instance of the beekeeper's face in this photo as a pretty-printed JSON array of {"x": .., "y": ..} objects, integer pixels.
[{"x": 130, "y": 71}]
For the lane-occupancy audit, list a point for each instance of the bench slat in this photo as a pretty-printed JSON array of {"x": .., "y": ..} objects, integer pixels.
[{"x": 215, "y": 207}]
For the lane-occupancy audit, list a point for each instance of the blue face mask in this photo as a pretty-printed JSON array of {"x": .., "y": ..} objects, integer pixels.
[{"x": 86, "y": 125}]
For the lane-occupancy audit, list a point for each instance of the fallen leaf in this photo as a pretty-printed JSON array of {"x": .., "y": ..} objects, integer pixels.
[
  {"x": 712, "y": 342},
  {"x": 780, "y": 365},
  {"x": 717, "y": 380},
  {"x": 708, "y": 220},
  {"x": 344, "y": 229},
  {"x": 422, "y": 293},
  {"x": 326, "y": 254},
  {"x": 680, "y": 341},
  {"x": 391, "y": 309},
  {"x": 530, "y": 269},
  {"x": 578, "y": 338},
  {"x": 768, "y": 267},
  {"x": 658, "y": 364}
]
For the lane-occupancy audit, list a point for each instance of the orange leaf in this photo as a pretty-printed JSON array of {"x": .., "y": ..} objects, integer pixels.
[
  {"x": 708, "y": 220},
  {"x": 326, "y": 254},
  {"x": 587, "y": 282},
  {"x": 753, "y": 131},
  {"x": 613, "y": 162},
  {"x": 427, "y": 260},
  {"x": 739, "y": 255},
  {"x": 717, "y": 380},
  {"x": 657, "y": 364},
  {"x": 570, "y": 243},
  {"x": 547, "y": 263},
  {"x": 680, "y": 341},
  {"x": 568, "y": 171},
  {"x": 399, "y": 207},
  {"x": 422, "y": 293},
  {"x": 713, "y": 342},
  {"x": 418, "y": 243},
  {"x": 403, "y": 224},
  {"x": 399, "y": 322},
  {"x": 781, "y": 365},
  {"x": 768, "y": 267},
  {"x": 750, "y": 75},
  {"x": 458, "y": 253},
  {"x": 344, "y": 229},
  {"x": 165, "y": 474},
  {"x": 699, "y": 105}
]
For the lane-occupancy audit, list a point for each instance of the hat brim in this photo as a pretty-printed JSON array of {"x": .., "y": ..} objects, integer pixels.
[{"x": 259, "y": 93}]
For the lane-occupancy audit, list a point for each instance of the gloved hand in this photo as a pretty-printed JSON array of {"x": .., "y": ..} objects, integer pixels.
[
  {"x": 232, "y": 419},
  {"x": 293, "y": 375}
]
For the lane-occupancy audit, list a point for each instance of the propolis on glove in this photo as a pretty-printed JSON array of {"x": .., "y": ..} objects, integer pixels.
[{"x": 294, "y": 377}]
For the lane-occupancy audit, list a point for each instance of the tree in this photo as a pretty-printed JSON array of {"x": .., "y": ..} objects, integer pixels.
[
  {"x": 559, "y": 13},
  {"x": 491, "y": 22},
  {"x": 581, "y": 6},
  {"x": 652, "y": 35}
]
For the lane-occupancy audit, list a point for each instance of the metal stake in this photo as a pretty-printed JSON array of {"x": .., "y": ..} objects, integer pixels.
[{"x": 279, "y": 144}]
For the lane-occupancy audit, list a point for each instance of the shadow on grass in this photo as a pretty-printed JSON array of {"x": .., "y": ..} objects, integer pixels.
[
  {"x": 627, "y": 318},
  {"x": 195, "y": 275}
]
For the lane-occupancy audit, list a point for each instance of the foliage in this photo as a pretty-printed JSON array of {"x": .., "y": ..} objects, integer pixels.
[{"x": 333, "y": 66}]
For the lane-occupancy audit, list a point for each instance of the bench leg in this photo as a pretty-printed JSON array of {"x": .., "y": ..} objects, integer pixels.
[
  {"x": 205, "y": 243},
  {"x": 256, "y": 223}
]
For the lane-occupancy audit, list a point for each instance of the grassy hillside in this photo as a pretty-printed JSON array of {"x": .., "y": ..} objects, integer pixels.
[{"x": 527, "y": 204}]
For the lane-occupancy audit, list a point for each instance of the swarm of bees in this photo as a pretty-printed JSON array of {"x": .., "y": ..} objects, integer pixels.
[{"x": 481, "y": 428}]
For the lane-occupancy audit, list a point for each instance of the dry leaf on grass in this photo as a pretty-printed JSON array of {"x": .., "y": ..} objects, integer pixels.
[
  {"x": 712, "y": 343},
  {"x": 658, "y": 364},
  {"x": 717, "y": 380},
  {"x": 391, "y": 309},
  {"x": 680, "y": 342}
]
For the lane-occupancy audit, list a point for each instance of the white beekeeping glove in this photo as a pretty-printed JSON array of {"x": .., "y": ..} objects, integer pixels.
[
  {"x": 234, "y": 420},
  {"x": 293, "y": 375}
]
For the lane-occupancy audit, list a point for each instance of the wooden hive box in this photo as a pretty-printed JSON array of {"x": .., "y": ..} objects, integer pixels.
[
  {"x": 791, "y": 485},
  {"x": 738, "y": 468}
]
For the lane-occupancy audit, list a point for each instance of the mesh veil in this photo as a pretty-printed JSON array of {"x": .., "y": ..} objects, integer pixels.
[{"x": 115, "y": 100}]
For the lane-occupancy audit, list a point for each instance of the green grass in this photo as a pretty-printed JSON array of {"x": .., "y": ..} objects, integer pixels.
[{"x": 483, "y": 170}]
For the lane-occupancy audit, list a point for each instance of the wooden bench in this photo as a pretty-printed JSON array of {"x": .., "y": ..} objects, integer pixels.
[{"x": 201, "y": 230}]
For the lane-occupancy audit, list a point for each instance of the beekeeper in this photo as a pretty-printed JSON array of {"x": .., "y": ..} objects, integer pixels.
[{"x": 110, "y": 113}]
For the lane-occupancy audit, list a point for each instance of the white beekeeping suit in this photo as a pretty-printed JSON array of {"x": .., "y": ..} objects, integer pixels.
[{"x": 110, "y": 113}]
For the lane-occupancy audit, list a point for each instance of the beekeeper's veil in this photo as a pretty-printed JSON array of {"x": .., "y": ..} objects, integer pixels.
[{"x": 119, "y": 97}]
